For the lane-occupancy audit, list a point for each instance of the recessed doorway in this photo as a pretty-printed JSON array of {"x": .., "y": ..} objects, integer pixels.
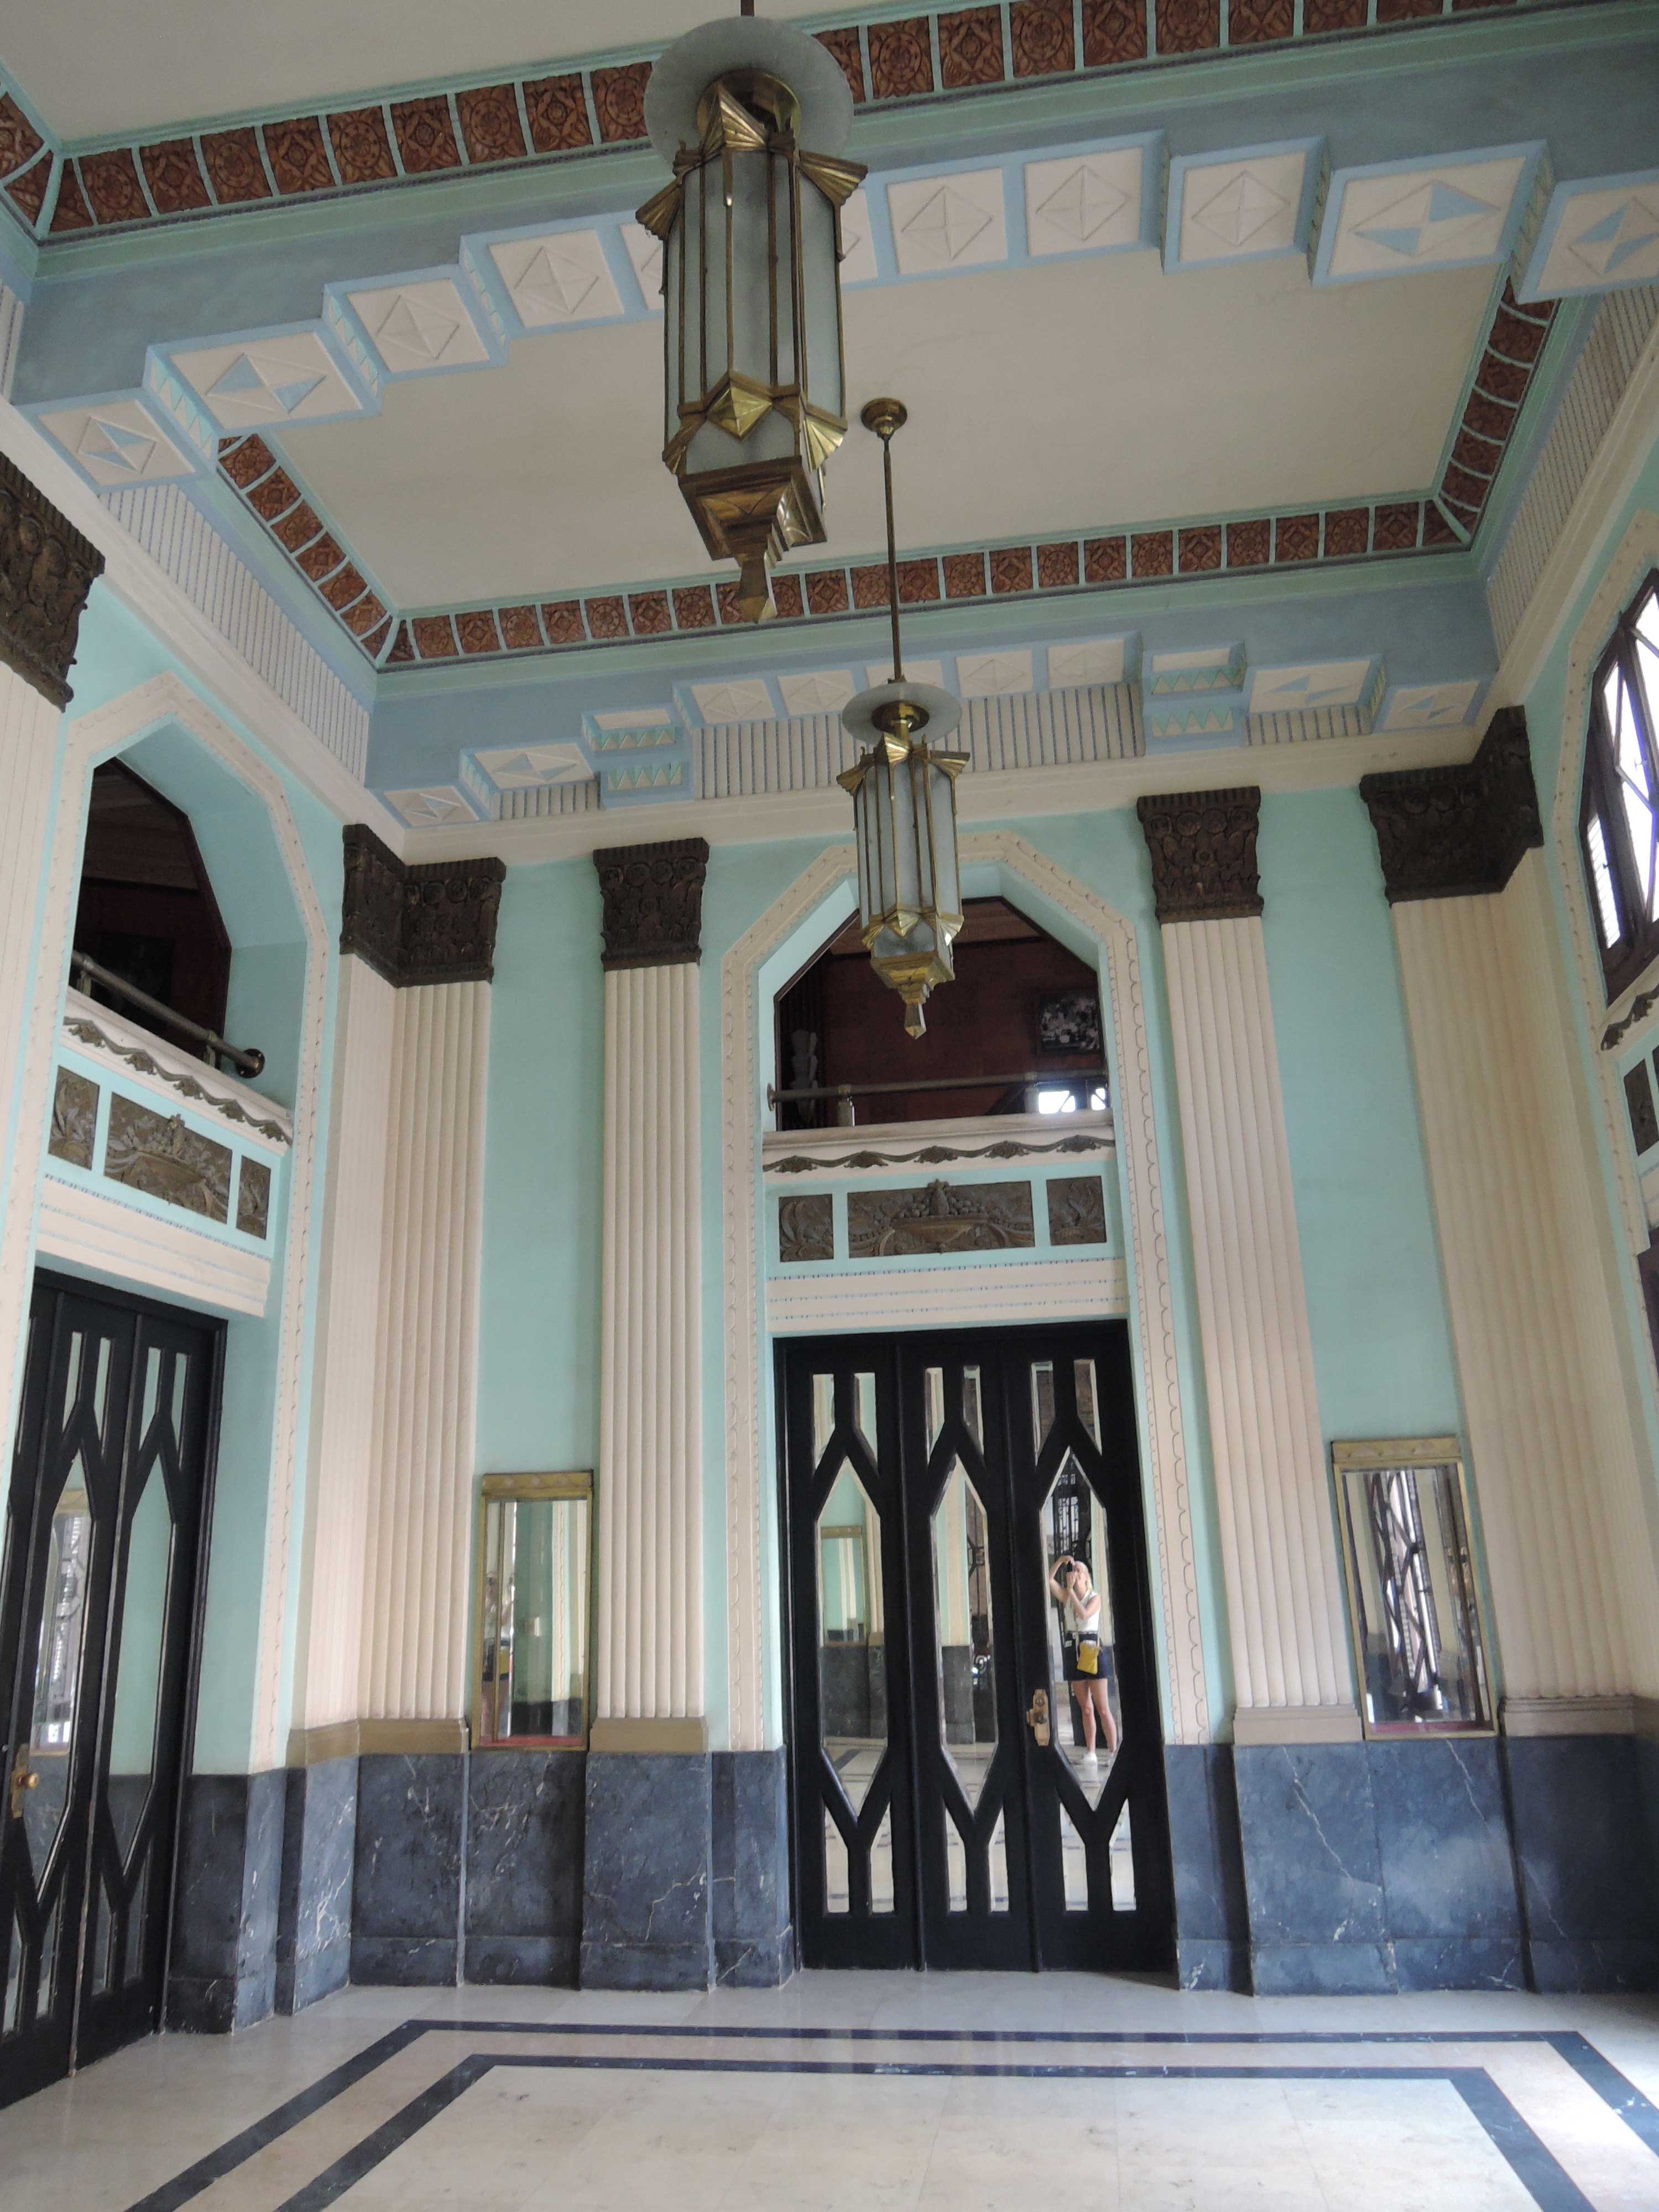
[{"x": 976, "y": 1759}]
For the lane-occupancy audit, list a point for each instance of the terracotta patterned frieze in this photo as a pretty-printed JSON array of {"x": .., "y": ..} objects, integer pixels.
[
  {"x": 1458, "y": 831},
  {"x": 74, "y": 1119},
  {"x": 432, "y": 922},
  {"x": 165, "y": 1158},
  {"x": 889, "y": 61},
  {"x": 46, "y": 569},
  {"x": 1202, "y": 845},
  {"x": 940, "y": 1217},
  {"x": 653, "y": 902},
  {"x": 806, "y": 1229}
]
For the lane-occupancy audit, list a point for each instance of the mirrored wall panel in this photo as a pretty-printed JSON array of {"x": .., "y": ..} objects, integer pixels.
[
  {"x": 534, "y": 1609},
  {"x": 1419, "y": 1651}
]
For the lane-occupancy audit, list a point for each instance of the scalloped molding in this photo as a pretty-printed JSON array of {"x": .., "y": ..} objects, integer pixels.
[{"x": 1151, "y": 1302}]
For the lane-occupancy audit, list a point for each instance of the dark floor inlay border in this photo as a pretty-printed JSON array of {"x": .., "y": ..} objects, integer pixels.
[{"x": 1534, "y": 2166}]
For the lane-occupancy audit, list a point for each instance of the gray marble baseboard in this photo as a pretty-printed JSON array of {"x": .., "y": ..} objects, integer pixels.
[
  {"x": 314, "y": 1917},
  {"x": 222, "y": 1973},
  {"x": 647, "y": 1913},
  {"x": 1458, "y": 1962},
  {"x": 526, "y": 1813},
  {"x": 608, "y": 1965},
  {"x": 523, "y": 1961},
  {"x": 749, "y": 1846},
  {"x": 1594, "y": 1966},
  {"x": 405, "y": 1962},
  {"x": 1206, "y": 1963},
  {"x": 1323, "y": 1969},
  {"x": 407, "y": 1876}
]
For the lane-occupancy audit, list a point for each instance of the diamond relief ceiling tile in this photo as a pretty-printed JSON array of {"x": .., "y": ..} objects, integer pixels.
[
  {"x": 253, "y": 382},
  {"x": 1300, "y": 690},
  {"x": 560, "y": 278},
  {"x": 740, "y": 702},
  {"x": 645, "y": 251},
  {"x": 948, "y": 222},
  {"x": 426, "y": 808},
  {"x": 823, "y": 691},
  {"x": 1087, "y": 661},
  {"x": 1231, "y": 209},
  {"x": 116, "y": 443},
  {"x": 1593, "y": 240},
  {"x": 993, "y": 675},
  {"x": 528, "y": 768},
  {"x": 1087, "y": 203},
  {"x": 1428, "y": 706},
  {"x": 1379, "y": 223},
  {"x": 858, "y": 264},
  {"x": 419, "y": 327}
]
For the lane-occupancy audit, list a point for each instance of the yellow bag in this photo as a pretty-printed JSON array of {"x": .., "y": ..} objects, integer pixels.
[{"x": 1088, "y": 1655}]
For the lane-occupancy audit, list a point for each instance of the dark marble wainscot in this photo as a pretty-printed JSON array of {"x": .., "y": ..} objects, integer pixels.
[
  {"x": 754, "y": 1937},
  {"x": 1212, "y": 1922},
  {"x": 224, "y": 1969},
  {"x": 1586, "y": 1814},
  {"x": 1453, "y": 1918},
  {"x": 406, "y": 1890},
  {"x": 647, "y": 1920},
  {"x": 1313, "y": 1873},
  {"x": 525, "y": 1811},
  {"x": 313, "y": 1918}
]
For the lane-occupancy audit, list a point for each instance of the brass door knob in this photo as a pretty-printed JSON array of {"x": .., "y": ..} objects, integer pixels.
[
  {"x": 21, "y": 1779},
  {"x": 1038, "y": 1718}
]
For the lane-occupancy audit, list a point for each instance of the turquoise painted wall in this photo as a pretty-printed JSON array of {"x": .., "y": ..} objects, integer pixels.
[
  {"x": 116, "y": 655},
  {"x": 538, "y": 1358},
  {"x": 1376, "y": 1306}
]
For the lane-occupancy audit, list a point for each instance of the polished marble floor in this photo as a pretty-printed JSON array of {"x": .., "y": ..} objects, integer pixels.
[{"x": 958, "y": 2093}]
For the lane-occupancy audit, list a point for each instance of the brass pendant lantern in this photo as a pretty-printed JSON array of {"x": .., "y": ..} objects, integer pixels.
[
  {"x": 904, "y": 803},
  {"x": 753, "y": 116}
]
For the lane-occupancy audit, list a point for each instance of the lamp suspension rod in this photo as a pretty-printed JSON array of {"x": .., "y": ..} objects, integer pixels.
[{"x": 886, "y": 435}]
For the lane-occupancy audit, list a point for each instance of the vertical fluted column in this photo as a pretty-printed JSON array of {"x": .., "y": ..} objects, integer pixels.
[
  {"x": 649, "y": 1677},
  {"x": 1555, "y": 1459},
  {"x": 55, "y": 568},
  {"x": 1278, "y": 1548}
]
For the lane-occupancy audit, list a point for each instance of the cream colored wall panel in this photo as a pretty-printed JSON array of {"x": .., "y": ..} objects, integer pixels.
[
  {"x": 948, "y": 1297},
  {"x": 1278, "y": 1541},
  {"x": 650, "y": 1640},
  {"x": 345, "y": 1381},
  {"x": 420, "y": 1516},
  {"x": 1554, "y": 1460},
  {"x": 86, "y": 1230}
]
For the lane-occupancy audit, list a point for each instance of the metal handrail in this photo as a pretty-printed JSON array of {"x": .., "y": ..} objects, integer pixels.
[
  {"x": 250, "y": 1063},
  {"x": 1053, "y": 1078}
]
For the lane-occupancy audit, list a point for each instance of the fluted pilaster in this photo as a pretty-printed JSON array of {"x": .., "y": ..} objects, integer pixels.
[
  {"x": 1555, "y": 1462},
  {"x": 1290, "y": 1675}
]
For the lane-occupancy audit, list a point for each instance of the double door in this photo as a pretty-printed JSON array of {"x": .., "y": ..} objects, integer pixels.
[
  {"x": 98, "y": 1581},
  {"x": 966, "y": 1792}
]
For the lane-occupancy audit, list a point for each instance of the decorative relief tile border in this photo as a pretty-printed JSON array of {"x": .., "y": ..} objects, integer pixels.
[{"x": 555, "y": 114}]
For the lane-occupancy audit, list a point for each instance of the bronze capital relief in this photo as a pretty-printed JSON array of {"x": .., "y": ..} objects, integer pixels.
[
  {"x": 1457, "y": 832},
  {"x": 433, "y": 921},
  {"x": 74, "y": 1119},
  {"x": 166, "y": 1159},
  {"x": 807, "y": 1228},
  {"x": 1202, "y": 845},
  {"x": 46, "y": 569},
  {"x": 653, "y": 896},
  {"x": 1077, "y": 1210},
  {"x": 982, "y": 1216}
]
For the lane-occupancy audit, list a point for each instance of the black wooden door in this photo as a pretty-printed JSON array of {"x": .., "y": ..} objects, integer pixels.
[
  {"x": 97, "y": 1600},
  {"x": 948, "y": 1808}
]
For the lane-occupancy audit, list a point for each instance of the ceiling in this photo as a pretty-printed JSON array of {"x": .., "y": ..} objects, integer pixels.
[
  {"x": 1043, "y": 398},
  {"x": 94, "y": 71}
]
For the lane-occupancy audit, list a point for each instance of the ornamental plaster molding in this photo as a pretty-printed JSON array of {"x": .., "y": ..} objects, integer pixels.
[
  {"x": 88, "y": 740},
  {"x": 1458, "y": 832},
  {"x": 1152, "y": 1304},
  {"x": 95, "y": 1032},
  {"x": 46, "y": 569},
  {"x": 431, "y": 922},
  {"x": 1202, "y": 846},
  {"x": 1637, "y": 552},
  {"x": 653, "y": 897}
]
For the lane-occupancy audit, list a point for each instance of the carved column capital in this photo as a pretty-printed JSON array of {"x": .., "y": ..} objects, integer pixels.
[
  {"x": 653, "y": 897},
  {"x": 46, "y": 569},
  {"x": 433, "y": 922},
  {"x": 1202, "y": 845},
  {"x": 1454, "y": 832}
]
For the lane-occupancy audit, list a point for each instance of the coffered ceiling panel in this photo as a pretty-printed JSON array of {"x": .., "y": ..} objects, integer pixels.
[{"x": 1230, "y": 387}]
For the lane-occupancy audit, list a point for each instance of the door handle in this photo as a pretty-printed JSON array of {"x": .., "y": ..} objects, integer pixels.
[
  {"x": 21, "y": 1779},
  {"x": 1038, "y": 1718}
]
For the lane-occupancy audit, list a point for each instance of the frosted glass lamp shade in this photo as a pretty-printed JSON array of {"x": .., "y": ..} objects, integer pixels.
[{"x": 905, "y": 821}]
